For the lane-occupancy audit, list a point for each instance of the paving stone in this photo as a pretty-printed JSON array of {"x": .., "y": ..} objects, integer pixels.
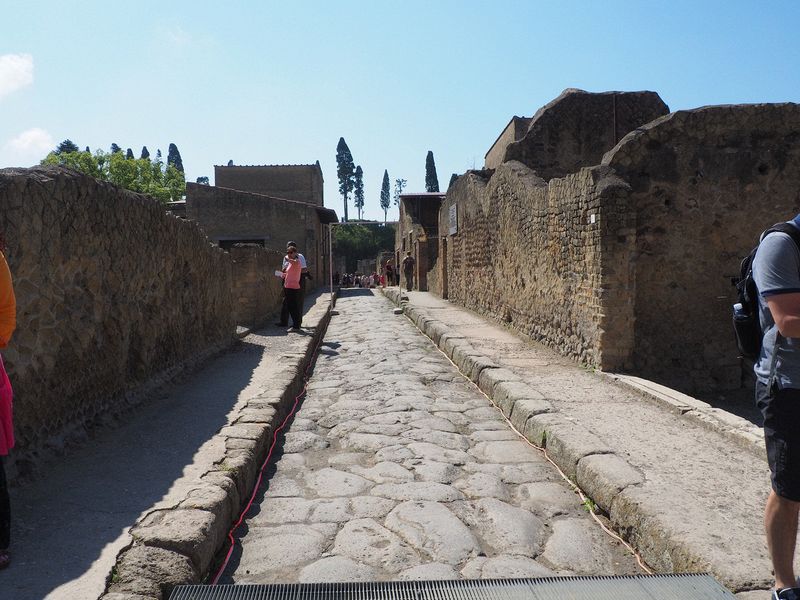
[
  {"x": 370, "y": 442},
  {"x": 428, "y": 451},
  {"x": 384, "y": 472},
  {"x": 282, "y": 484},
  {"x": 291, "y": 462},
  {"x": 481, "y": 485},
  {"x": 547, "y": 499},
  {"x": 336, "y": 569},
  {"x": 493, "y": 436},
  {"x": 429, "y": 572},
  {"x": 370, "y": 506},
  {"x": 330, "y": 482},
  {"x": 504, "y": 567},
  {"x": 579, "y": 545},
  {"x": 377, "y": 428},
  {"x": 346, "y": 459},
  {"x": 507, "y": 529},
  {"x": 288, "y": 546},
  {"x": 451, "y": 441},
  {"x": 430, "y": 470},
  {"x": 418, "y": 490},
  {"x": 456, "y": 418},
  {"x": 325, "y": 510},
  {"x": 396, "y": 453},
  {"x": 436, "y": 423},
  {"x": 389, "y": 418},
  {"x": 365, "y": 541},
  {"x": 434, "y": 531},
  {"x": 301, "y": 424},
  {"x": 304, "y": 440},
  {"x": 277, "y": 511},
  {"x": 505, "y": 452}
]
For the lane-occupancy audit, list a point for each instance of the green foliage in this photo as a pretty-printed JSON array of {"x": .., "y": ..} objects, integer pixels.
[
  {"x": 145, "y": 152},
  {"x": 358, "y": 191},
  {"x": 431, "y": 179},
  {"x": 203, "y": 180},
  {"x": 138, "y": 175},
  {"x": 399, "y": 184},
  {"x": 129, "y": 154},
  {"x": 66, "y": 146},
  {"x": 453, "y": 178},
  {"x": 385, "y": 199},
  {"x": 345, "y": 171},
  {"x": 365, "y": 240},
  {"x": 115, "y": 149}
]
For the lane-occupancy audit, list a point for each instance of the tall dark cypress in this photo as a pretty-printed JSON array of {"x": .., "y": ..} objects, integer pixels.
[
  {"x": 174, "y": 158},
  {"x": 431, "y": 180},
  {"x": 345, "y": 170}
]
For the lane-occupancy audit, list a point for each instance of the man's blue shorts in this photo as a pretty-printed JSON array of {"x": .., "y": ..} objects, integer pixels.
[{"x": 781, "y": 410}]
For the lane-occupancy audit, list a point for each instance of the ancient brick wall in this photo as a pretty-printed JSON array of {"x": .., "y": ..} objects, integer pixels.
[
  {"x": 532, "y": 254},
  {"x": 302, "y": 183},
  {"x": 256, "y": 290},
  {"x": 578, "y": 127},
  {"x": 514, "y": 131},
  {"x": 111, "y": 291},
  {"x": 704, "y": 184}
]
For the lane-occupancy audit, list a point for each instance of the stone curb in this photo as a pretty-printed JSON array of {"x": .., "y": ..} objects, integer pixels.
[
  {"x": 177, "y": 545},
  {"x": 604, "y": 476}
]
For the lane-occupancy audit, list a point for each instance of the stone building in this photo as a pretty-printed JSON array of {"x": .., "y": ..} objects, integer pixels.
[
  {"x": 615, "y": 241},
  {"x": 515, "y": 130},
  {"x": 417, "y": 231},
  {"x": 303, "y": 183},
  {"x": 229, "y": 216}
]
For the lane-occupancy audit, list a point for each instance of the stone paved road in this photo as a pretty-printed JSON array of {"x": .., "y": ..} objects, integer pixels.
[{"x": 396, "y": 467}]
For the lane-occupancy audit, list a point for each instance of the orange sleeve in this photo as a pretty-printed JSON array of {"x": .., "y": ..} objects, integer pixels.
[{"x": 8, "y": 304}]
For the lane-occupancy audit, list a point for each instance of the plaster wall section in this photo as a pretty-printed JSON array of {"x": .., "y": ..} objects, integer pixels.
[
  {"x": 578, "y": 127},
  {"x": 256, "y": 290},
  {"x": 704, "y": 184},
  {"x": 528, "y": 253},
  {"x": 303, "y": 183},
  {"x": 232, "y": 215},
  {"x": 111, "y": 291}
]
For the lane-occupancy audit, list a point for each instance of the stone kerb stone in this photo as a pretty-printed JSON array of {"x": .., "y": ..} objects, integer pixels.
[{"x": 176, "y": 546}]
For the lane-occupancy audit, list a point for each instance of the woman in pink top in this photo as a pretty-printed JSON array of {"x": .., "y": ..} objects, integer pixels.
[{"x": 291, "y": 287}]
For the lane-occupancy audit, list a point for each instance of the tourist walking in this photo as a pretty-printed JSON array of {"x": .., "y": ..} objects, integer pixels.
[
  {"x": 776, "y": 271},
  {"x": 389, "y": 273},
  {"x": 8, "y": 322},
  {"x": 408, "y": 270},
  {"x": 292, "y": 292}
]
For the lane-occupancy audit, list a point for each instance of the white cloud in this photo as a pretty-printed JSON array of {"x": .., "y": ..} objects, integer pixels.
[
  {"x": 27, "y": 149},
  {"x": 16, "y": 72}
]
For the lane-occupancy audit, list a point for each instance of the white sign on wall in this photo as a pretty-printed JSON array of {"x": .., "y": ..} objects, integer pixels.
[{"x": 453, "y": 220}]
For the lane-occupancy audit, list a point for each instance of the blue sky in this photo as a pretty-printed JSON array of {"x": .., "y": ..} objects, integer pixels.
[{"x": 266, "y": 82}]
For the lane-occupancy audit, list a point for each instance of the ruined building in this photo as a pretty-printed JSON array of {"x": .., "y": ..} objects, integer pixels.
[{"x": 612, "y": 228}]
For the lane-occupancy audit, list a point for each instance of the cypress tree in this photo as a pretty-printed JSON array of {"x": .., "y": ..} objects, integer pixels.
[
  {"x": 345, "y": 170},
  {"x": 385, "y": 198},
  {"x": 230, "y": 163},
  {"x": 66, "y": 146},
  {"x": 453, "y": 178},
  {"x": 145, "y": 152},
  {"x": 115, "y": 149},
  {"x": 431, "y": 180},
  {"x": 358, "y": 191},
  {"x": 129, "y": 154},
  {"x": 174, "y": 158}
]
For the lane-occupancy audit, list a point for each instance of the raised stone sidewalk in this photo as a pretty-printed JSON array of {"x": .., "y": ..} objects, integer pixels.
[{"x": 683, "y": 482}]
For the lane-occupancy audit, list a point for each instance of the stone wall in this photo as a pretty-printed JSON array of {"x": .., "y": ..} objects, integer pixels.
[
  {"x": 578, "y": 127},
  {"x": 111, "y": 291},
  {"x": 515, "y": 130},
  {"x": 704, "y": 184},
  {"x": 232, "y": 215},
  {"x": 256, "y": 291},
  {"x": 530, "y": 254},
  {"x": 302, "y": 183}
]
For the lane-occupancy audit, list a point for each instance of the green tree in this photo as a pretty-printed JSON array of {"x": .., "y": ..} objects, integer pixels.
[
  {"x": 230, "y": 163},
  {"x": 385, "y": 199},
  {"x": 345, "y": 171},
  {"x": 115, "y": 149},
  {"x": 362, "y": 240},
  {"x": 145, "y": 152},
  {"x": 453, "y": 178},
  {"x": 202, "y": 180},
  {"x": 399, "y": 184},
  {"x": 174, "y": 158},
  {"x": 431, "y": 180},
  {"x": 66, "y": 146},
  {"x": 358, "y": 190},
  {"x": 129, "y": 154}
]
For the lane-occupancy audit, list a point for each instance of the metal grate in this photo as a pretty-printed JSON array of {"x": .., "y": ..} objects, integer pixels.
[{"x": 689, "y": 586}]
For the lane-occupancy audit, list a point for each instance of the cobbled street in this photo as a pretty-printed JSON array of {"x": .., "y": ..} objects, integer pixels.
[{"x": 397, "y": 467}]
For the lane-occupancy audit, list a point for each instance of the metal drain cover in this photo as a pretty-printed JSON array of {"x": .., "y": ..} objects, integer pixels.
[{"x": 689, "y": 586}]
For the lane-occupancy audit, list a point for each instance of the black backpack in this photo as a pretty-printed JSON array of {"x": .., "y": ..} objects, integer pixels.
[{"x": 746, "y": 324}]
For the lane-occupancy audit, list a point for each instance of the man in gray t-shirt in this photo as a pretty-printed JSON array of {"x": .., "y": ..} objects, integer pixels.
[{"x": 776, "y": 271}]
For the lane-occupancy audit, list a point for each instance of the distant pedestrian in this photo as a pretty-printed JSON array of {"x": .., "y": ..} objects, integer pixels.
[
  {"x": 8, "y": 322},
  {"x": 389, "y": 272},
  {"x": 304, "y": 274},
  {"x": 408, "y": 270},
  {"x": 776, "y": 271},
  {"x": 292, "y": 293}
]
